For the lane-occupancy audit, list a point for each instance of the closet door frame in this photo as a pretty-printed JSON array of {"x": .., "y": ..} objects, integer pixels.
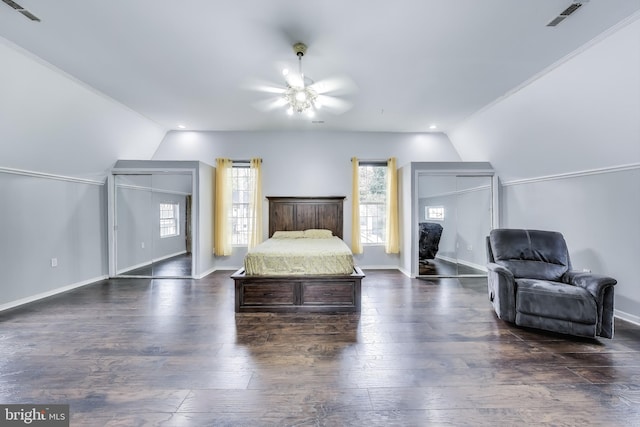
[{"x": 454, "y": 169}]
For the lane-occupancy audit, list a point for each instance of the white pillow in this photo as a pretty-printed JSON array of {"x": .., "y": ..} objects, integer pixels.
[
  {"x": 316, "y": 233},
  {"x": 288, "y": 235}
]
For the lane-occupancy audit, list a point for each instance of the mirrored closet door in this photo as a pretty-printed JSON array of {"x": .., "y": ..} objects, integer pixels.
[
  {"x": 153, "y": 225},
  {"x": 454, "y": 217}
]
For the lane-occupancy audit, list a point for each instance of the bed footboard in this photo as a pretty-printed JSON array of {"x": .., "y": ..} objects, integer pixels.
[{"x": 292, "y": 294}]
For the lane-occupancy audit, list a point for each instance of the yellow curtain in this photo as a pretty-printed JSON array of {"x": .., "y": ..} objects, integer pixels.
[
  {"x": 356, "y": 243},
  {"x": 392, "y": 242},
  {"x": 255, "y": 206},
  {"x": 221, "y": 223}
]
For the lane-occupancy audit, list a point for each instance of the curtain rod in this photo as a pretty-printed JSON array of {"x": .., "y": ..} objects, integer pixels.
[
  {"x": 372, "y": 160},
  {"x": 243, "y": 161}
]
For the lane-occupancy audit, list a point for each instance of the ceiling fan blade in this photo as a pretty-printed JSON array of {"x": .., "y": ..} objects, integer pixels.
[
  {"x": 261, "y": 86},
  {"x": 333, "y": 104},
  {"x": 338, "y": 85},
  {"x": 270, "y": 104}
]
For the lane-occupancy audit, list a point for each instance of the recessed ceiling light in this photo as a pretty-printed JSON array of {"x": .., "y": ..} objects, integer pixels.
[
  {"x": 433, "y": 127},
  {"x": 182, "y": 127}
]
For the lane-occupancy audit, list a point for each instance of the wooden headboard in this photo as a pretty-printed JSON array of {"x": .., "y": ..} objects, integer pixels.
[{"x": 302, "y": 213}]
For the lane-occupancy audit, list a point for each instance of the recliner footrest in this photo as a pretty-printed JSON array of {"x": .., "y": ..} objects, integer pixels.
[{"x": 555, "y": 300}]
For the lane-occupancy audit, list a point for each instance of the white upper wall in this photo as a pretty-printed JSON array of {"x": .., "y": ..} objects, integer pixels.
[
  {"x": 50, "y": 122},
  {"x": 306, "y": 163},
  {"x": 582, "y": 115}
]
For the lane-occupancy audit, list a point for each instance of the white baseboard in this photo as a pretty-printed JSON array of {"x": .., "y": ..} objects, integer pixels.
[
  {"x": 169, "y": 256},
  {"x": 146, "y": 263},
  {"x": 627, "y": 317},
  {"x": 463, "y": 262},
  {"x": 134, "y": 267},
  {"x": 206, "y": 273},
  {"x": 378, "y": 267},
  {"x": 472, "y": 265},
  {"x": 50, "y": 293},
  {"x": 447, "y": 259},
  {"x": 405, "y": 272}
]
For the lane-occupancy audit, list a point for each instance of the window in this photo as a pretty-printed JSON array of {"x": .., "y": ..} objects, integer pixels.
[
  {"x": 169, "y": 220},
  {"x": 434, "y": 213},
  {"x": 241, "y": 195},
  {"x": 372, "y": 181}
]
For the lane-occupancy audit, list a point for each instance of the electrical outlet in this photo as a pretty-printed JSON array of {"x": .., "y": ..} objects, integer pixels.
[
  {"x": 54, "y": 262},
  {"x": 469, "y": 247},
  {"x": 142, "y": 245},
  {"x": 586, "y": 270}
]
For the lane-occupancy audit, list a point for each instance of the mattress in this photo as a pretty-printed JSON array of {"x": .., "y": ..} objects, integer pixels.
[{"x": 299, "y": 254}]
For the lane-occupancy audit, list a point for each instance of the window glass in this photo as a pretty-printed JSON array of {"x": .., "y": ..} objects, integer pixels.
[
  {"x": 241, "y": 196},
  {"x": 169, "y": 220},
  {"x": 373, "y": 185},
  {"x": 434, "y": 213}
]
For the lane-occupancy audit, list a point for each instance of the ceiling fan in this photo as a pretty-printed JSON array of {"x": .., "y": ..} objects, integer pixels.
[{"x": 301, "y": 95}]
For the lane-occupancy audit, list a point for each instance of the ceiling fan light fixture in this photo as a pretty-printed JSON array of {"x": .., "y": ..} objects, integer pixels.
[
  {"x": 300, "y": 99},
  {"x": 299, "y": 96}
]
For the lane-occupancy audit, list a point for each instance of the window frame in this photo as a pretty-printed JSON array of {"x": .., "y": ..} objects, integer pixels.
[
  {"x": 429, "y": 217},
  {"x": 381, "y": 206},
  {"x": 244, "y": 206},
  {"x": 174, "y": 219}
]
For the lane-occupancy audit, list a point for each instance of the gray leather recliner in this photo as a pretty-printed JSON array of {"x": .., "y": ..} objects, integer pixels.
[{"x": 531, "y": 284}]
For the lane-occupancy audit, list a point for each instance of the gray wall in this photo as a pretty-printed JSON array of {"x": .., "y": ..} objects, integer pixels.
[
  {"x": 205, "y": 262},
  {"x": 51, "y": 122},
  {"x": 164, "y": 247},
  {"x": 599, "y": 215},
  {"x": 474, "y": 224},
  {"x": 45, "y": 217},
  {"x": 566, "y": 146},
  {"x": 134, "y": 234}
]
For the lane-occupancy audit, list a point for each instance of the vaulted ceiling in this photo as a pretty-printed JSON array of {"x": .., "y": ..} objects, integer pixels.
[{"x": 413, "y": 63}]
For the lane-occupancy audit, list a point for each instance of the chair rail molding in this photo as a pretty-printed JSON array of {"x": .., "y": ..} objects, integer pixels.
[
  {"x": 576, "y": 174},
  {"x": 56, "y": 177}
]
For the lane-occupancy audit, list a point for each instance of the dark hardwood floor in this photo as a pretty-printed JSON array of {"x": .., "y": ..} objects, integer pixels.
[
  {"x": 172, "y": 352},
  {"x": 441, "y": 267},
  {"x": 177, "y": 266}
]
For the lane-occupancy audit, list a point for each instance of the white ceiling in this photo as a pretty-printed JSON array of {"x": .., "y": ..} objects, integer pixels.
[{"x": 415, "y": 62}]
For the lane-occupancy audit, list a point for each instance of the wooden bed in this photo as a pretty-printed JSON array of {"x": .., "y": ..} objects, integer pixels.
[{"x": 300, "y": 293}]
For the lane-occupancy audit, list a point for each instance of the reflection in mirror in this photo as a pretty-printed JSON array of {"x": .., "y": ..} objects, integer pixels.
[
  {"x": 153, "y": 225},
  {"x": 454, "y": 217}
]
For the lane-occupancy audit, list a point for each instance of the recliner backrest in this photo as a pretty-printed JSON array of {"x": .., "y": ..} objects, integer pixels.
[{"x": 533, "y": 254}]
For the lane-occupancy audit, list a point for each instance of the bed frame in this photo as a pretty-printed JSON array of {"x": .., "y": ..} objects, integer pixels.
[{"x": 295, "y": 293}]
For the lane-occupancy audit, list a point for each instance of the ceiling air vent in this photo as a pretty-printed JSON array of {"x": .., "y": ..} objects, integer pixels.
[
  {"x": 565, "y": 14},
  {"x": 22, "y": 10}
]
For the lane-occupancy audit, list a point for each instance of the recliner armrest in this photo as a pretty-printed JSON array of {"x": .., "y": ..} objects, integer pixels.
[
  {"x": 594, "y": 283},
  {"x": 497, "y": 268},
  {"x": 601, "y": 287},
  {"x": 502, "y": 293}
]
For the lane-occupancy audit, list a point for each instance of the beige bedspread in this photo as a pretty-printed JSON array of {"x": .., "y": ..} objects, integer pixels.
[{"x": 299, "y": 256}]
